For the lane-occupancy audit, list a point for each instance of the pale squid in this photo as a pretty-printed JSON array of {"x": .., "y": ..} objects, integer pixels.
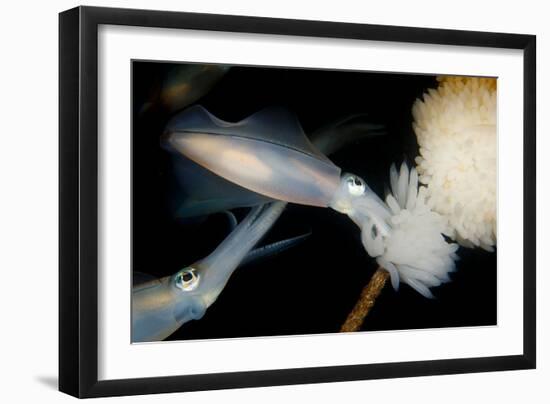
[
  {"x": 269, "y": 154},
  {"x": 161, "y": 306}
]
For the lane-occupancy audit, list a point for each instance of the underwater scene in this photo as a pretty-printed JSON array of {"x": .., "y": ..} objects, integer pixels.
[{"x": 270, "y": 201}]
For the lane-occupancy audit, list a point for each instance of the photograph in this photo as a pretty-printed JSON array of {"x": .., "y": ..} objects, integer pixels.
[
  {"x": 272, "y": 201},
  {"x": 250, "y": 201}
]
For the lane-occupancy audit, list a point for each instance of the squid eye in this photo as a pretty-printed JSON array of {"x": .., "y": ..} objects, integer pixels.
[
  {"x": 356, "y": 186},
  {"x": 187, "y": 279}
]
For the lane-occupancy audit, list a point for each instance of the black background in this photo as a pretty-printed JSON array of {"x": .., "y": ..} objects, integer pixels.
[{"x": 312, "y": 287}]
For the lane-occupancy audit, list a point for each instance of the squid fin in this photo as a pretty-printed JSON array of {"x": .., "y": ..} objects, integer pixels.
[
  {"x": 275, "y": 125},
  {"x": 351, "y": 128}
]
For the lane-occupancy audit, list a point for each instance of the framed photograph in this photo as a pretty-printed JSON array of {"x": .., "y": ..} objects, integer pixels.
[{"x": 253, "y": 201}]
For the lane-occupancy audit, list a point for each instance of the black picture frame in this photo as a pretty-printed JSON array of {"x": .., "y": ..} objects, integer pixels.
[{"x": 78, "y": 201}]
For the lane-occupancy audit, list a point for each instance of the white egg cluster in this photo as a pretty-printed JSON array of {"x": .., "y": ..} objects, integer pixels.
[
  {"x": 415, "y": 251},
  {"x": 455, "y": 126}
]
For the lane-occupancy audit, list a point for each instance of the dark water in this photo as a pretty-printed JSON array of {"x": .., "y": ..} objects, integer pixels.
[{"x": 310, "y": 288}]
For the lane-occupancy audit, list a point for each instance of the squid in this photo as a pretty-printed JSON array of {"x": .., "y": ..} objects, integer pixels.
[
  {"x": 161, "y": 306},
  {"x": 269, "y": 154},
  {"x": 197, "y": 191},
  {"x": 182, "y": 85}
]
